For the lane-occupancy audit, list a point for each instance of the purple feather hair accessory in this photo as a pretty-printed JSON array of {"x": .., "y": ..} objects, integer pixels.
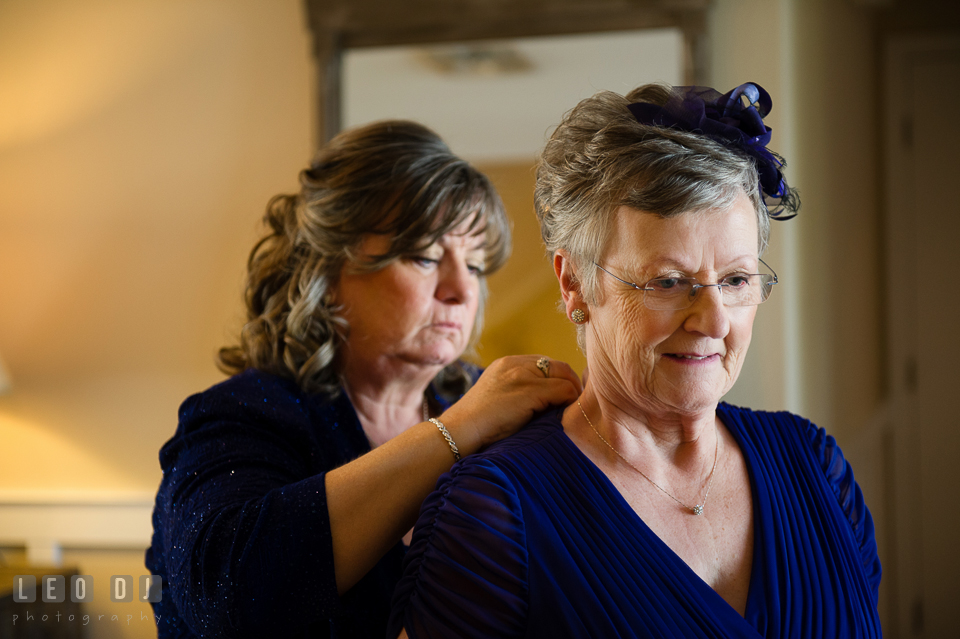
[{"x": 735, "y": 119}]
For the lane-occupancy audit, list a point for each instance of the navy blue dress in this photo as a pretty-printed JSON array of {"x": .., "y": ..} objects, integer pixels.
[
  {"x": 241, "y": 530},
  {"x": 531, "y": 539}
]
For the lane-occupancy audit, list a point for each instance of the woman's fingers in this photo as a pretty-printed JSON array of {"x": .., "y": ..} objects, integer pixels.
[
  {"x": 563, "y": 370},
  {"x": 510, "y": 391}
]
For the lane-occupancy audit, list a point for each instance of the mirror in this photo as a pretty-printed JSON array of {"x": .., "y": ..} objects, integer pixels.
[{"x": 341, "y": 25}]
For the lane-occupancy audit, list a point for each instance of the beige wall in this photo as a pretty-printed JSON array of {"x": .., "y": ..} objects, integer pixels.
[
  {"x": 139, "y": 143},
  {"x": 836, "y": 94}
]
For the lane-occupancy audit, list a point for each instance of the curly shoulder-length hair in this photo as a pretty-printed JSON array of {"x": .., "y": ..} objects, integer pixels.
[
  {"x": 601, "y": 158},
  {"x": 395, "y": 178}
]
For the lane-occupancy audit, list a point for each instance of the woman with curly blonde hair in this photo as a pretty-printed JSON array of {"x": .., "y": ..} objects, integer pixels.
[{"x": 288, "y": 488}]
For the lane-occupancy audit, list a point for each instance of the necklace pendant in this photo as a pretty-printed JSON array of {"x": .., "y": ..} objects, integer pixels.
[{"x": 698, "y": 509}]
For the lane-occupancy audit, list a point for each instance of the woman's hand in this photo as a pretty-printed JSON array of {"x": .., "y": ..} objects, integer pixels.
[{"x": 508, "y": 394}]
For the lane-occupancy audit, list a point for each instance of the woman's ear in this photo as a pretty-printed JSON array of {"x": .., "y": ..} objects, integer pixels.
[{"x": 569, "y": 283}]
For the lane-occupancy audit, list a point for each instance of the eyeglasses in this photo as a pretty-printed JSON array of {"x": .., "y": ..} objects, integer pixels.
[{"x": 678, "y": 293}]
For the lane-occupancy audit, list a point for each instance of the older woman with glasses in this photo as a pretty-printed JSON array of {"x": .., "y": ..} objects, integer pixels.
[{"x": 649, "y": 508}]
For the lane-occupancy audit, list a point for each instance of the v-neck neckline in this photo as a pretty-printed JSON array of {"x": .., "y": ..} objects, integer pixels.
[{"x": 755, "y": 591}]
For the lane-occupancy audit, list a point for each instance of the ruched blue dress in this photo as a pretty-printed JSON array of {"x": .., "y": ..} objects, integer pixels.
[{"x": 531, "y": 539}]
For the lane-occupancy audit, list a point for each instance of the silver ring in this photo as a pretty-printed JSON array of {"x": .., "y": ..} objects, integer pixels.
[{"x": 544, "y": 364}]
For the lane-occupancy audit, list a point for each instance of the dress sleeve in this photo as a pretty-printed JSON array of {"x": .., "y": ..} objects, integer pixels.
[
  {"x": 465, "y": 574},
  {"x": 243, "y": 523},
  {"x": 839, "y": 475}
]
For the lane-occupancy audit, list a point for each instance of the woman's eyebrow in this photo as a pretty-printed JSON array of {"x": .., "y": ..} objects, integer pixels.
[{"x": 664, "y": 261}]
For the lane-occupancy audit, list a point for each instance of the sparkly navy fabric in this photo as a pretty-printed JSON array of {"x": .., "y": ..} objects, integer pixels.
[
  {"x": 241, "y": 529},
  {"x": 530, "y": 539}
]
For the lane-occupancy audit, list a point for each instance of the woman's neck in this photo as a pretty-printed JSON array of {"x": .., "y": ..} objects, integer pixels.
[
  {"x": 387, "y": 407},
  {"x": 650, "y": 434}
]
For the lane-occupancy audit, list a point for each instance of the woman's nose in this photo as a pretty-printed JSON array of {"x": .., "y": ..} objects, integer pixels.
[
  {"x": 455, "y": 282},
  {"x": 708, "y": 315}
]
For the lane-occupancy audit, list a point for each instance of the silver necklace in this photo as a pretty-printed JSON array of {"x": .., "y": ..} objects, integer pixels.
[{"x": 696, "y": 510}]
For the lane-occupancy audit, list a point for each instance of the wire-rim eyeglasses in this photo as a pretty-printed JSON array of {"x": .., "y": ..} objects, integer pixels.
[{"x": 678, "y": 293}]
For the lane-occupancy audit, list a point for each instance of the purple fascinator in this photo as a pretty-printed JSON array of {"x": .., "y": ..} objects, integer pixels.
[{"x": 734, "y": 119}]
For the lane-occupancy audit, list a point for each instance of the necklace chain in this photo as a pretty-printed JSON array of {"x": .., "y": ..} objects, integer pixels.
[{"x": 697, "y": 509}]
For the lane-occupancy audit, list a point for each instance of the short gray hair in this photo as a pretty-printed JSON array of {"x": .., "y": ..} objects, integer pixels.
[{"x": 600, "y": 158}]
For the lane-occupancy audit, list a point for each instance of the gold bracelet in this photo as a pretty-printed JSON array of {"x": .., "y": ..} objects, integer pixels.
[{"x": 446, "y": 435}]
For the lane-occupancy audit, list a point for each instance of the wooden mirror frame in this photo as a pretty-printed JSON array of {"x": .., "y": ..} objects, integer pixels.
[{"x": 344, "y": 24}]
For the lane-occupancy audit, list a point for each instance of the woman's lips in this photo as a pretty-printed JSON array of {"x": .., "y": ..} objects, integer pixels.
[{"x": 692, "y": 357}]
